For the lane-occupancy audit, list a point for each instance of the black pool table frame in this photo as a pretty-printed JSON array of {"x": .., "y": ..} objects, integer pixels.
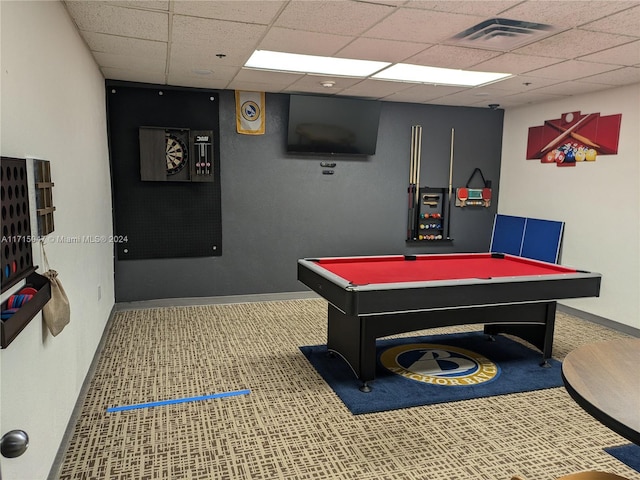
[{"x": 359, "y": 314}]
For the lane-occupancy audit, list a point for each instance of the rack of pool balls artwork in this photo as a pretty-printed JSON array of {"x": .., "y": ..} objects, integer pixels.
[
  {"x": 574, "y": 138},
  {"x": 568, "y": 154},
  {"x": 17, "y": 260}
]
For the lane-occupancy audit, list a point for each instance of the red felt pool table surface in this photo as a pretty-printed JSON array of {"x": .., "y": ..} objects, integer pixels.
[{"x": 421, "y": 268}]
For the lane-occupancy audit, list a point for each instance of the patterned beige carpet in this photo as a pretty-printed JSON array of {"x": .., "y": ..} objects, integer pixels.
[{"x": 291, "y": 425}]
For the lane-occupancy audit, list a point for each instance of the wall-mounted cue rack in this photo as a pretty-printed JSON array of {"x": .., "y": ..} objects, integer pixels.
[{"x": 428, "y": 208}]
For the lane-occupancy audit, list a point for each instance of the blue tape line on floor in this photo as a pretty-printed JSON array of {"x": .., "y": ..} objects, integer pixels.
[{"x": 178, "y": 400}]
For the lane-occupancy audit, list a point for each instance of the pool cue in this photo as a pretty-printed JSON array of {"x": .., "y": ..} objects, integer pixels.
[
  {"x": 564, "y": 134},
  {"x": 410, "y": 189},
  {"x": 418, "y": 157},
  {"x": 412, "y": 186},
  {"x": 450, "y": 183}
]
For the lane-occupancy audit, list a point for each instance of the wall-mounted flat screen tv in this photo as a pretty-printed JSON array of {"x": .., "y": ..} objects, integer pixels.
[{"x": 324, "y": 125}]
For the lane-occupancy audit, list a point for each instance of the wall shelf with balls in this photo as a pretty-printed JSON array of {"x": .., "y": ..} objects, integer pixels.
[
  {"x": 20, "y": 308},
  {"x": 427, "y": 220},
  {"x": 176, "y": 154}
]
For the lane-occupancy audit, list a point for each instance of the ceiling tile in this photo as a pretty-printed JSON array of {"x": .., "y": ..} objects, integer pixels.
[
  {"x": 523, "y": 83},
  {"x": 337, "y": 16},
  {"x": 256, "y": 11},
  {"x": 571, "y": 88},
  {"x": 628, "y": 54},
  {"x": 127, "y": 22},
  {"x": 198, "y": 81},
  {"x": 622, "y": 76},
  {"x": 296, "y": 41},
  {"x": 253, "y": 86},
  {"x": 622, "y": 23},
  {"x": 375, "y": 88},
  {"x": 312, "y": 83},
  {"x": 129, "y": 75},
  {"x": 447, "y": 56},
  {"x": 528, "y": 98},
  {"x": 572, "y": 70},
  {"x": 473, "y": 96},
  {"x": 142, "y": 4},
  {"x": 421, "y": 93},
  {"x": 573, "y": 43},
  {"x": 514, "y": 63},
  {"x": 428, "y": 26},
  {"x": 468, "y": 7},
  {"x": 380, "y": 50},
  {"x": 236, "y": 40},
  {"x": 185, "y": 67},
  {"x": 151, "y": 64},
  {"x": 188, "y": 58},
  {"x": 100, "y": 42},
  {"x": 566, "y": 13},
  {"x": 278, "y": 79}
]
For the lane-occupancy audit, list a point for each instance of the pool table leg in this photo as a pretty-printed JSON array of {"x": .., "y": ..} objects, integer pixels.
[
  {"x": 538, "y": 333},
  {"x": 346, "y": 336}
]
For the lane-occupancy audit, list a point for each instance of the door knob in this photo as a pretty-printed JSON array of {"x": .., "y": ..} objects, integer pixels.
[{"x": 14, "y": 443}]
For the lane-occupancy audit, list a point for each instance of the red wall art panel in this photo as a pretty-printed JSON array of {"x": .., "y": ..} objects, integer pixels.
[{"x": 574, "y": 137}]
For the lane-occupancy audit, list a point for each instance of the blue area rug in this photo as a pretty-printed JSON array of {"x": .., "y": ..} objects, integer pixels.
[
  {"x": 437, "y": 369},
  {"x": 627, "y": 454}
]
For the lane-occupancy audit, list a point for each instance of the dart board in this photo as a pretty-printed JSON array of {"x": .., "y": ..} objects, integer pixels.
[{"x": 176, "y": 153}]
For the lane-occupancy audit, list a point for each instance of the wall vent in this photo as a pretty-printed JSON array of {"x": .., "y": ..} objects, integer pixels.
[{"x": 502, "y": 34}]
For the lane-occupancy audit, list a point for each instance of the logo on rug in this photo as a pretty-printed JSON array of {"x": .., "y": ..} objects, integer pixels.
[{"x": 439, "y": 364}]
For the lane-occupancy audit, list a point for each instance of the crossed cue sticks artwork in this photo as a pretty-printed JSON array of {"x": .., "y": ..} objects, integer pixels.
[{"x": 574, "y": 137}]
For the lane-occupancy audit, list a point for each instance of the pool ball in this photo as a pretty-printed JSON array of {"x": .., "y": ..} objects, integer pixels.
[
  {"x": 550, "y": 157},
  {"x": 570, "y": 156}
]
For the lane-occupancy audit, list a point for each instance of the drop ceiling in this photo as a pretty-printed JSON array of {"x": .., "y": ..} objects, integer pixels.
[{"x": 594, "y": 45}]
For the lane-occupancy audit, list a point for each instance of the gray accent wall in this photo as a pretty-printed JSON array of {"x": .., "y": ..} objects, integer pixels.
[{"x": 279, "y": 207}]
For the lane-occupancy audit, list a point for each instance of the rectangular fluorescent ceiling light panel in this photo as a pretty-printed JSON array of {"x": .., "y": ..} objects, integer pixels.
[
  {"x": 405, "y": 72},
  {"x": 294, "y": 62}
]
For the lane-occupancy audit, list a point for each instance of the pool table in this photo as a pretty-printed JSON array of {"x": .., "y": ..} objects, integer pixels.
[{"x": 375, "y": 296}]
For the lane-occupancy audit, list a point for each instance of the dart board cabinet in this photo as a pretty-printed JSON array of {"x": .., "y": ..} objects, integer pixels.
[
  {"x": 164, "y": 154},
  {"x": 176, "y": 155}
]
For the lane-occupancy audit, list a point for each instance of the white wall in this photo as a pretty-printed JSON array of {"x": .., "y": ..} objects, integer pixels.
[
  {"x": 53, "y": 108},
  {"x": 599, "y": 201}
]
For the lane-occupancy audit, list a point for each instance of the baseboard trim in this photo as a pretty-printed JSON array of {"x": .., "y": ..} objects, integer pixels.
[
  {"x": 54, "y": 473},
  {"x": 199, "y": 301},
  {"x": 605, "y": 322}
]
